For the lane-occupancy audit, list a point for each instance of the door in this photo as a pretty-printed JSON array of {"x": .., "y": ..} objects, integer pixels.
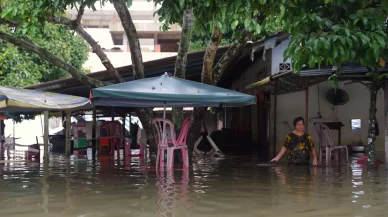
[{"x": 263, "y": 113}]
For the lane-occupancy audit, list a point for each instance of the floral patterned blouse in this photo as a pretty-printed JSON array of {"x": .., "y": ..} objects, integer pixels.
[{"x": 298, "y": 148}]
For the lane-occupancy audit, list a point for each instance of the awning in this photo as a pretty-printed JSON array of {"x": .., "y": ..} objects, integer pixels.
[
  {"x": 23, "y": 100},
  {"x": 167, "y": 91}
]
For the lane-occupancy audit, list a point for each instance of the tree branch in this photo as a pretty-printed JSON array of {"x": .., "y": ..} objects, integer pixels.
[
  {"x": 81, "y": 10},
  {"x": 133, "y": 39},
  {"x": 232, "y": 53},
  {"x": 96, "y": 48},
  {"x": 181, "y": 58},
  {"x": 46, "y": 55}
]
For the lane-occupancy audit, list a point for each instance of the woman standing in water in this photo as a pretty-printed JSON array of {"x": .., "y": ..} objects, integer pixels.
[{"x": 299, "y": 146}]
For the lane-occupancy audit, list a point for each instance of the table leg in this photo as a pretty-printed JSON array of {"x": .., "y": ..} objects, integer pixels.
[{"x": 339, "y": 143}]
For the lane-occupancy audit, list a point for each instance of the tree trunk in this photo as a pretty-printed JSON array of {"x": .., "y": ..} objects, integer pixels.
[
  {"x": 197, "y": 117},
  {"x": 145, "y": 115},
  {"x": 46, "y": 55},
  {"x": 372, "y": 124},
  {"x": 210, "y": 54},
  {"x": 231, "y": 54},
  {"x": 133, "y": 39},
  {"x": 181, "y": 61},
  {"x": 206, "y": 77}
]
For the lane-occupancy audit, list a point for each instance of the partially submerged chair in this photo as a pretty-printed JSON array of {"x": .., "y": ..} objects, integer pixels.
[
  {"x": 329, "y": 144},
  {"x": 322, "y": 146},
  {"x": 162, "y": 128}
]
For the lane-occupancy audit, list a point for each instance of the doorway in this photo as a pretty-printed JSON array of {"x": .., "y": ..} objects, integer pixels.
[{"x": 263, "y": 124}]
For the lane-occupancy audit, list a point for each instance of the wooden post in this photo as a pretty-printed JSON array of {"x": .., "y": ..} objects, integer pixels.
[
  {"x": 123, "y": 139},
  {"x": 94, "y": 134},
  {"x": 306, "y": 121},
  {"x": 68, "y": 139},
  {"x": 274, "y": 120},
  {"x": 46, "y": 136},
  {"x": 386, "y": 122}
]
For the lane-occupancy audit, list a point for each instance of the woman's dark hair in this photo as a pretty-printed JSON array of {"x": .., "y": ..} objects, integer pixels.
[{"x": 296, "y": 120}]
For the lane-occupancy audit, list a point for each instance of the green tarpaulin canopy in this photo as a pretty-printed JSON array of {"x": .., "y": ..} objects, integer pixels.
[
  {"x": 23, "y": 100},
  {"x": 167, "y": 91}
]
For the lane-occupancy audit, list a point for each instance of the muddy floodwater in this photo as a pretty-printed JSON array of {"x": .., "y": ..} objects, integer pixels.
[{"x": 233, "y": 186}]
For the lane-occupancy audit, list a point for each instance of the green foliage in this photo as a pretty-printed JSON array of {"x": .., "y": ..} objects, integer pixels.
[
  {"x": 20, "y": 68},
  {"x": 199, "y": 45},
  {"x": 336, "y": 32},
  {"x": 227, "y": 15}
]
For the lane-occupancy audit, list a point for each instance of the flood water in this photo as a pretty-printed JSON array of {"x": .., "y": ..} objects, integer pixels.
[{"x": 234, "y": 186}]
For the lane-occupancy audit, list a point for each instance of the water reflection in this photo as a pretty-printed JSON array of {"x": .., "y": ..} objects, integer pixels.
[
  {"x": 173, "y": 199},
  {"x": 82, "y": 186}
]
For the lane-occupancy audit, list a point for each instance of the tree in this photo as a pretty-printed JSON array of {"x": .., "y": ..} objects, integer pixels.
[
  {"x": 30, "y": 17},
  {"x": 20, "y": 68},
  {"x": 245, "y": 18},
  {"x": 338, "y": 32},
  {"x": 241, "y": 19}
]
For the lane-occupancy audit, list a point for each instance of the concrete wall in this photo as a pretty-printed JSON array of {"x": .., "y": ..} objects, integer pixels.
[
  {"x": 292, "y": 105},
  {"x": 119, "y": 59}
]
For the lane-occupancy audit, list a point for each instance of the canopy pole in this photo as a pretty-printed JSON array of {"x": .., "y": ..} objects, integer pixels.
[
  {"x": 46, "y": 136},
  {"x": 164, "y": 111},
  {"x": 94, "y": 130},
  {"x": 68, "y": 139},
  {"x": 13, "y": 133}
]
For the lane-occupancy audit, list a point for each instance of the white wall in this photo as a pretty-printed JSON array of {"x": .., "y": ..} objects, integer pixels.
[
  {"x": 292, "y": 105},
  {"x": 277, "y": 56}
]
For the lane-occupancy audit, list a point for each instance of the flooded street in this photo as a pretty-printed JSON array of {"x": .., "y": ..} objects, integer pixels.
[{"x": 232, "y": 186}]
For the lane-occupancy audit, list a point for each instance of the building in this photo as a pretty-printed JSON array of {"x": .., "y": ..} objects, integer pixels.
[{"x": 105, "y": 27}]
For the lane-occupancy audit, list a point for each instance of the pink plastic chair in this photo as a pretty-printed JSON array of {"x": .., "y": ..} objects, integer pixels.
[
  {"x": 180, "y": 144},
  {"x": 330, "y": 146},
  {"x": 162, "y": 128},
  {"x": 321, "y": 141}
]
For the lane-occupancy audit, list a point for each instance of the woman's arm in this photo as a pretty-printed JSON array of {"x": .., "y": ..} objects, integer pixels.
[
  {"x": 281, "y": 153},
  {"x": 314, "y": 154}
]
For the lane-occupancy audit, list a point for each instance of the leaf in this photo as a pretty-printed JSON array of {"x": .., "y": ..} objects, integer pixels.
[
  {"x": 247, "y": 22},
  {"x": 381, "y": 62},
  {"x": 181, "y": 3},
  {"x": 234, "y": 24},
  {"x": 219, "y": 25},
  {"x": 364, "y": 39},
  {"x": 223, "y": 13},
  {"x": 328, "y": 23},
  {"x": 282, "y": 10},
  {"x": 336, "y": 28},
  {"x": 354, "y": 16},
  {"x": 365, "y": 21},
  {"x": 380, "y": 40},
  {"x": 347, "y": 32}
]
